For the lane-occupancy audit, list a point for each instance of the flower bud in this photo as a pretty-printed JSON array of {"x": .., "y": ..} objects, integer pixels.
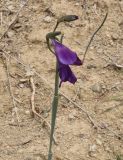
[
  {"x": 68, "y": 18},
  {"x": 52, "y": 35}
]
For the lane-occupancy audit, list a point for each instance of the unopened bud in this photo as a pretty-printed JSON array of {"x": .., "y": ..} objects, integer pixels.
[
  {"x": 52, "y": 35},
  {"x": 68, "y": 18}
]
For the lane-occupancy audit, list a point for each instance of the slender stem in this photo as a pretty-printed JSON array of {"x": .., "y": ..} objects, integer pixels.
[
  {"x": 54, "y": 106},
  {"x": 54, "y": 111},
  {"x": 94, "y": 35},
  {"x": 56, "y": 26}
]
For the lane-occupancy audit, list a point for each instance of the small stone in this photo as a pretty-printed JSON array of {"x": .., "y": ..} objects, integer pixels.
[
  {"x": 92, "y": 154},
  {"x": 115, "y": 36},
  {"x": 98, "y": 142},
  {"x": 17, "y": 26},
  {"x": 16, "y": 92},
  {"x": 72, "y": 115},
  {"x": 81, "y": 135},
  {"x": 99, "y": 136},
  {"x": 47, "y": 19},
  {"x": 10, "y": 34},
  {"x": 97, "y": 88},
  {"x": 93, "y": 148},
  {"x": 11, "y": 7},
  {"x": 27, "y": 112},
  {"x": 77, "y": 4},
  {"x": 87, "y": 156},
  {"x": 91, "y": 66},
  {"x": 103, "y": 125},
  {"x": 23, "y": 80},
  {"x": 21, "y": 85},
  {"x": 91, "y": 47},
  {"x": 108, "y": 35}
]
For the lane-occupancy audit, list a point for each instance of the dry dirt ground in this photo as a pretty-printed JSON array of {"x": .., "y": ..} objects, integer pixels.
[{"x": 99, "y": 90}]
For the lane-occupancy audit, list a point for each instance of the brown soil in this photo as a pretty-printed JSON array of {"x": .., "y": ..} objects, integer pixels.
[{"x": 99, "y": 89}]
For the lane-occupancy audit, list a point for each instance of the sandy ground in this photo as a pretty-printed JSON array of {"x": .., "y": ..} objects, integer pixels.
[{"x": 99, "y": 89}]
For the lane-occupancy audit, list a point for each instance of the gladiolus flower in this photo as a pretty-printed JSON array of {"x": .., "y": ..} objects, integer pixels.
[{"x": 65, "y": 57}]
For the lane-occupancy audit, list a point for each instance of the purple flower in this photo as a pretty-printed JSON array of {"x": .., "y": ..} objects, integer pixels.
[{"x": 65, "y": 58}]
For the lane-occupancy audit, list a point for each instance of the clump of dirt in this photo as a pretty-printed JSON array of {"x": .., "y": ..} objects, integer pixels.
[{"x": 97, "y": 93}]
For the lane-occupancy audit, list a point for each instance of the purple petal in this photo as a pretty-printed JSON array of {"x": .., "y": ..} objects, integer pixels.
[
  {"x": 78, "y": 62},
  {"x": 64, "y": 54},
  {"x": 66, "y": 74}
]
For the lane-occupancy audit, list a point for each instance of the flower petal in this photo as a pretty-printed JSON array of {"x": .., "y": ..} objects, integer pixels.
[
  {"x": 66, "y": 74},
  {"x": 78, "y": 62},
  {"x": 64, "y": 54}
]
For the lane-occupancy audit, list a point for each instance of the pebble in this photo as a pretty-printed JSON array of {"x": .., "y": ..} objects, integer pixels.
[
  {"x": 16, "y": 92},
  {"x": 115, "y": 36},
  {"x": 17, "y": 26},
  {"x": 10, "y": 34},
  {"x": 92, "y": 154},
  {"x": 90, "y": 66},
  {"x": 77, "y": 4},
  {"x": 47, "y": 19},
  {"x": 27, "y": 112},
  {"x": 99, "y": 142},
  {"x": 93, "y": 148},
  {"x": 97, "y": 88},
  {"x": 72, "y": 116},
  {"x": 23, "y": 80},
  {"x": 21, "y": 85},
  {"x": 11, "y": 7}
]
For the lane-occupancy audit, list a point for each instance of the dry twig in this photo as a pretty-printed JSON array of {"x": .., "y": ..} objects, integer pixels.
[
  {"x": 110, "y": 130},
  {"x": 79, "y": 107},
  {"x": 32, "y": 101},
  {"x": 10, "y": 88},
  {"x": 33, "y": 105}
]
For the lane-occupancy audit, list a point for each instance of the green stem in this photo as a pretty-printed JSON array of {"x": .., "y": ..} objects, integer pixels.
[
  {"x": 94, "y": 35},
  {"x": 54, "y": 106},
  {"x": 54, "y": 111},
  {"x": 56, "y": 26},
  {"x": 55, "y": 98}
]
